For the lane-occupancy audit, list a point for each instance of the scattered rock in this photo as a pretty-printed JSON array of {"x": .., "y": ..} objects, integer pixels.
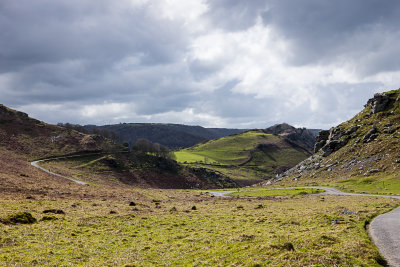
[
  {"x": 335, "y": 222},
  {"x": 347, "y": 212},
  {"x": 371, "y": 171},
  {"x": 371, "y": 135},
  {"x": 132, "y": 203},
  {"x": 113, "y": 212},
  {"x": 173, "y": 209},
  {"x": 352, "y": 130}
]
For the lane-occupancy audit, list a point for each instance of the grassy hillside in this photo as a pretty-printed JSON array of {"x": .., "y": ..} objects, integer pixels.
[
  {"x": 362, "y": 154},
  {"x": 246, "y": 156},
  {"x": 35, "y": 139},
  {"x": 25, "y": 138}
]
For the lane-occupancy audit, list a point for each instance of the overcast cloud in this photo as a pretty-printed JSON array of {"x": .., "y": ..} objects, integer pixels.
[{"x": 216, "y": 63}]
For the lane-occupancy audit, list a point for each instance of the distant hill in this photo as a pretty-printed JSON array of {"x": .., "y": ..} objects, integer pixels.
[
  {"x": 171, "y": 135},
  {"x": 253, "y": 155},
  {"x": 364, "y": 151}
]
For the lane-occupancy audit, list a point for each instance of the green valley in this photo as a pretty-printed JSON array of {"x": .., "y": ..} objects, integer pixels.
[{"x": 247, "y": 157}]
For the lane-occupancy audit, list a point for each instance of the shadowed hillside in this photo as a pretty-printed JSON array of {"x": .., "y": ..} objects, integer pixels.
[{"x": 170, "y": 135}]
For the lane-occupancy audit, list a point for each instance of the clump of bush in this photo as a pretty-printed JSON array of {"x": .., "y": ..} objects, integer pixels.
[
  {"x": 54, "y": 211},
  {"x": 49, "y": 218},
  {"x": 20, "y": 217},
  {"x": 286, "y": 246}
]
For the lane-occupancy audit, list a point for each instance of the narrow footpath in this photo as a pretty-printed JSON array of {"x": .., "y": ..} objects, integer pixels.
[{"x": 36, "y": 165}]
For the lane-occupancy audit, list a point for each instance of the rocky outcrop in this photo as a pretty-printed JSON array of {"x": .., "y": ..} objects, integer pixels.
[
  {"x": 321, "y": 140},
  {"x": 363, "y": 146},
  {"x": 298, "y": 136},
  {"x": 378, "y": 103},
  {"x": 371, "y": 135},
  {"x": 332, "y": 140}
]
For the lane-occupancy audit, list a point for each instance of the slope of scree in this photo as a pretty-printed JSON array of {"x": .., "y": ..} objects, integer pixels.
[{"x": 367, "y": 145}]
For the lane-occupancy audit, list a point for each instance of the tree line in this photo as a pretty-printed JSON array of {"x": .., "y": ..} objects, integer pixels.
[
  {"x": 141, "y": 146},
  {"x": 145, "y": 146}
]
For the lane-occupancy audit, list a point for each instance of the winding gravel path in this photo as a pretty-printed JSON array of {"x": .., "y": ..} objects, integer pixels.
[
  {"x": 36, "y": 165},
  {"x": 384, "y": 229}
]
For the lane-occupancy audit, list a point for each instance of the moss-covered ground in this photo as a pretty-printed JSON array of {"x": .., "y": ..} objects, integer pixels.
[{"x": 181, "y": 228}]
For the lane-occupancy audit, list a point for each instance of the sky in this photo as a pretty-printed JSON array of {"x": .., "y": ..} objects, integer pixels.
[{"x": 214, "y": 63}]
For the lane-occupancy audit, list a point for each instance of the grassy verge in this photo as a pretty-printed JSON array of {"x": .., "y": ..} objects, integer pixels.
[
  {"x": 192, "y": 231},
  {"x": 276, "y": 192},
  {"x": 389, "y": 185}
]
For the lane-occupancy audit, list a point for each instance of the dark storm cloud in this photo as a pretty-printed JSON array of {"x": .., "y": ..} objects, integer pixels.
[
  {"x": 80, "y": 51},
  {"x": 324, "y": 30},
  {"x": 46, "y": 31},
  {"x": 233, "y": 65}
]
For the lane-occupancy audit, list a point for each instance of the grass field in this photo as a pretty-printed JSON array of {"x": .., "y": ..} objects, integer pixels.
[
  {"x": 169, "y": 231},
  {"x": 276, "y": 192},
  {"x": 228, "y": 150},
  {"x": 372, "y": 185},
  {"x": 185, "y": 156}
]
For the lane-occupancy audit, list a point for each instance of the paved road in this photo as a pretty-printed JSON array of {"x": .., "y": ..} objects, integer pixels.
[
  {"x": 36, "y": 164},
  {"x": 384, "y": 229}
]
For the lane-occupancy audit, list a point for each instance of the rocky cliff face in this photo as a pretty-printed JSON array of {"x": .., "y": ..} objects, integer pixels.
[{"x": 368, "y": 143}]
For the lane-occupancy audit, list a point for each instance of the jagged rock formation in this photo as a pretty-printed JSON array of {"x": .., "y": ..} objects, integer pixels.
[
  {"x": 367, "y": 144},
  {"x": 378, "y": 103},
  {"x": 297, "y": 136}
]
